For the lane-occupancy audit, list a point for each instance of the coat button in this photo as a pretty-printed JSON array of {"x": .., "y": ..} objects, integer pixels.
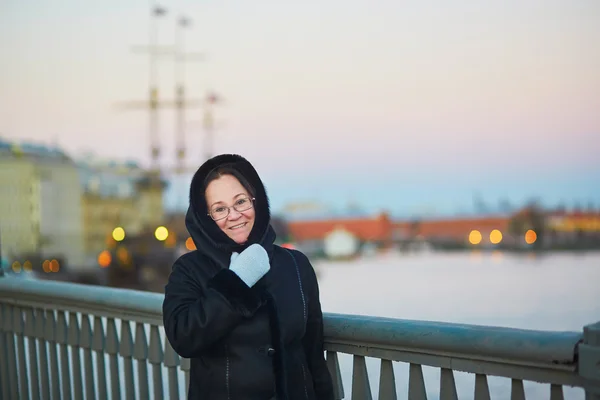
[{"x": 270, "y": 352}]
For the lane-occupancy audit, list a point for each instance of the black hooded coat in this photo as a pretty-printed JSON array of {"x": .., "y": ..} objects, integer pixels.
[{"x": 245, "y": 343}]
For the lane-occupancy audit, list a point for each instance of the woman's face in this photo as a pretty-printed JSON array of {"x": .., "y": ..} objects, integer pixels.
[{"x": 222, "y": 195}]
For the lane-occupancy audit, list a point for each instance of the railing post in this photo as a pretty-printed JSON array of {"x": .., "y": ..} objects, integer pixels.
[
  {"x": 4, "y": 356},
  {"x": 589, "y": 360}
]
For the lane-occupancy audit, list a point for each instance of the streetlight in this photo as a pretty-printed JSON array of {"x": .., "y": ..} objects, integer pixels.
[
  {"x": 161, "y": 233},
  {"x": 104, "y": 259},
  {"x": 118, "y": 234}
]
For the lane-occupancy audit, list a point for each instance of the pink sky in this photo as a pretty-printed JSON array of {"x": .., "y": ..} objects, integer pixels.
[{"x": 339, "y": 86}]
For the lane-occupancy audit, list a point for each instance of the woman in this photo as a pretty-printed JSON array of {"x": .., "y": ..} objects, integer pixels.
[{"x": 244, "y": 310}]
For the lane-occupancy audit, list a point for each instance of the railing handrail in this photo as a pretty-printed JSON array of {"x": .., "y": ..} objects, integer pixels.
[
  {"x": 129, "y": 304},
  {"x": 552, "y": 347},
  {"x": 533, "y": 346}
]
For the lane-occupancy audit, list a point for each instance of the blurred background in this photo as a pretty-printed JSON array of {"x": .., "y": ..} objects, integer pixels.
[{"x": 424, "y": 152}]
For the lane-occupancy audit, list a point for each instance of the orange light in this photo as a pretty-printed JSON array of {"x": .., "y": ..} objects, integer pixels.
[
  {"x": 495, "y": 236},
  {"x": 189, "y": 244},
  {"x": 530, "y": 236},
  {"x": 124, "y": 257},
  {"x": 46, "y": 266},
  {"x": 475, "y": 237},
  {"x": 16, "y": 267},
  {"x": 27, "y": 266},
  {"x": 110, "y": 241},
  {"x": 171, "y": 241},
  {"x": 288, "y": 246},
  {"x": 122, "y": 254},
  {"x": 54, "y": 266},
  {"x": 104, "y": 259}
]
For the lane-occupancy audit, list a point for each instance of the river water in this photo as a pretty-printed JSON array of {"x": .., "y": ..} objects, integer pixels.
[{"x": 551, "y": 292}]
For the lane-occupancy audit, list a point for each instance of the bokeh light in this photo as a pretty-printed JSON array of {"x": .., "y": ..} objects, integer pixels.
[
  {"x": 161, "y": 233},
  {"x": 104, "y": 259},
  {"x": 118, "y": 234},
  {"x": 189, "y": 244},
  {"x": 495, "y": 236},
  {"x": 475, "y": 237},
  {"x": 530, "y": 236}
]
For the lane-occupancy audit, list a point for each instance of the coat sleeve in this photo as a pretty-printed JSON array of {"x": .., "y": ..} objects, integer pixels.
[
  {"x": 195, "y": 317},
  {"x": 313, "y": 339}
]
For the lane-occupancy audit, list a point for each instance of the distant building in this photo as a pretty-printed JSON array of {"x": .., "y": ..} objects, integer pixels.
[
  {"x": 150, "y": 189},
  {"x": 53, "y": 206},
  {"x": 560, "y": 228},
  {"x": 117, "y": 195},
  {"x": 312, "y": 235},
  {"x": 380, "y": 232},
  {"x": 453, "y": 229},
  {"x": 372, "y": 228},
  {"x": 340, "y": 244},
  {"x": 40, "y": 203}
]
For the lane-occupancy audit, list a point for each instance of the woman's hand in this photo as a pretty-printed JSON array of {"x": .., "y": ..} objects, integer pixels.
[{"x": 251, "y": 264}]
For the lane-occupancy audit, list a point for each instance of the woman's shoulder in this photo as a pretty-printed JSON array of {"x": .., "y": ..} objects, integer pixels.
[
  {"x": 186, "y": 261},
  {"x": 298, "y": 257},
  {"x": 291, "y": 252},
  {"x": 192, "y": 265}
]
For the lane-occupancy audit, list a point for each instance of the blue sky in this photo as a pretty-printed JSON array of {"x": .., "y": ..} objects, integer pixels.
[{"x": 407, "y": 106}]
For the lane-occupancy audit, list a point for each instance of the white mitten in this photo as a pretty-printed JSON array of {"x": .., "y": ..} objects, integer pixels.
[{"x": 251, "y": 264}]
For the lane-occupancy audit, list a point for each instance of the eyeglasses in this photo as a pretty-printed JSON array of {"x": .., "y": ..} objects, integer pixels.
[{"x": 241, "y": 205}]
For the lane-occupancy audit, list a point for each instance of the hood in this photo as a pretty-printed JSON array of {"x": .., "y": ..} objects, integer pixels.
[{"x": 209, "y": 239}]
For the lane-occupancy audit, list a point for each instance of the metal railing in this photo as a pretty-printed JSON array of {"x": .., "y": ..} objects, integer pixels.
[{"x": 71, "y": 341}]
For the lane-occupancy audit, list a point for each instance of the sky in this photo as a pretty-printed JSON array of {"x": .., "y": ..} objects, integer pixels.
[{"x": 407, "y": 106}]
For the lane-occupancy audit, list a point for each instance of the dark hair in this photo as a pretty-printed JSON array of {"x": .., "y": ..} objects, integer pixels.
[{"x": 228, "y": 169}]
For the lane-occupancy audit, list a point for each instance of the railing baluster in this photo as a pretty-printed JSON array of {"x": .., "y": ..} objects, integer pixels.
[
  {"x": 12, "y": 351},
  {"x": 98, "y": 341},
  {"x": 333, "y": 365},
  {"x": 74, "y": 341},
  {"x": 18, "y": 326},
  {"x": 85, "y": 341},
  {"x": 156, "y": 357},
  {"x": 112, "y": 348},
  {"x": 185, "y": 367},
  {"x": 416, "y": 383},
  {"x": 387, "y": 381},
  {"x": 588, "y": 364},
  {"x": 172, "y": 364},
  {"x": 5, "y": 364},
  {"x": 517, "y": 392},
  {"x": 447, "y": 385},
  {"x": 62, "y": 340},
  {"x": 126, "y": 351},
  {"x": 33, "y": 357},
  {"x": 42, "y": 365},
  {"x": 556, "y": 392},
  {"x": 50, "y": 336},
  {"x": 482, "y": 389},
  {"x": 140, "y": 353},
  {"x": 4, "y": 383},
  {"x": 361, "y": 390}
]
